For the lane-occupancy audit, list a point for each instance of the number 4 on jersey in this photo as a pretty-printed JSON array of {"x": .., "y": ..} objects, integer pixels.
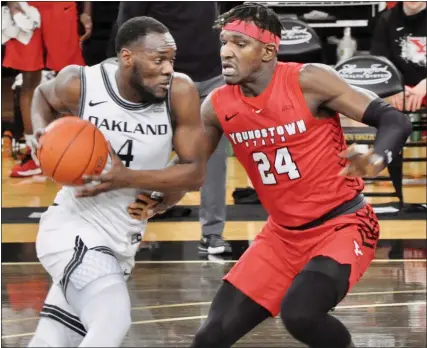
[
  {"x": 283, "y": 164},
  {"x": 125, "y": 152}
]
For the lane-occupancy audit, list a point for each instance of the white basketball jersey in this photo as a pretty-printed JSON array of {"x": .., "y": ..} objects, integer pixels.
[{"x": 141, "y": 134}]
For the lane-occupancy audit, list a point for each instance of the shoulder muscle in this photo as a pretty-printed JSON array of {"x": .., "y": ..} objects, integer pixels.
[
  {"x": 325, "y": 83},
  {"x": 185, "y": 100},
  {"x": 63, "y": 92},
  {"x": 322, "y": 85},
  {"x": 209, "y": 116}
]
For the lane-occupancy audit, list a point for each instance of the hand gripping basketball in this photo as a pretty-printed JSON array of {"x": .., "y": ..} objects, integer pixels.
[
  {"x": 34, "y": 144},
  {"x": 116, "y": 178}
]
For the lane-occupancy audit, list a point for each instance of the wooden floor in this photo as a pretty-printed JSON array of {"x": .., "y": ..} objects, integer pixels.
[
  {"x": 171, "y": 300},
  {"x": 172, "y": 285}
]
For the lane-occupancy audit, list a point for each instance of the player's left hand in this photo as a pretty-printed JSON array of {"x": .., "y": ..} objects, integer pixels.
[
  {"x": 116, "y": 178},
  {"x": 366, "y": 164},
  {"x": 145, "y": 207}
]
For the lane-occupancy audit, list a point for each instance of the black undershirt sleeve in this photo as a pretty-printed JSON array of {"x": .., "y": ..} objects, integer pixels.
[{"x": 393, "y": 128}]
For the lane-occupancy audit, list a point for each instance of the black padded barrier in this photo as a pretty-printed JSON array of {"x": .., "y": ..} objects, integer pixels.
[
  {"x": 299, "y": 42},
  {"x": 379, "y": 75}
]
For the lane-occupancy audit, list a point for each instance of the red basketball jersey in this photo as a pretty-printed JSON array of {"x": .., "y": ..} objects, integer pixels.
[{"x": 290, "y": 156}]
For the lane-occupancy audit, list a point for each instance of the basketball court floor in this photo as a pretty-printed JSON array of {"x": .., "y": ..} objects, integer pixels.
[{"x": 172, "y": 284}]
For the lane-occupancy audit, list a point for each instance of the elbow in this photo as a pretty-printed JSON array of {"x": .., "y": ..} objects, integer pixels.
[
  {"x": 197, "y": 183},
  {"x": 195, "y": 186},
  {"x": 197, "y": 179}
]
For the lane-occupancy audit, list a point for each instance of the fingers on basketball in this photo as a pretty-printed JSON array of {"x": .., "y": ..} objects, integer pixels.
[{"x": 71, "y": 148}]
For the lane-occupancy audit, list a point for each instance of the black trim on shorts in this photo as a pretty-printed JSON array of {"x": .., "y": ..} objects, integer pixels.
[
  {"x": 80, "y": 250},
  {"x": 63, "y": 317},
  {"x": 104, "y": 250}
]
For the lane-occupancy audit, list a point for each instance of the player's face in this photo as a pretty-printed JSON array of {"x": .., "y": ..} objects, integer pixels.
[
  {"x": 152, "y": 65},
  {"x": 241, "y": 57}
]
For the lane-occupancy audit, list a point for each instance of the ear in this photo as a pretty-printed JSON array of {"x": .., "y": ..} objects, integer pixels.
[
  {"x": 269, "y": 52},
  {"x": 126, "y": 57}
]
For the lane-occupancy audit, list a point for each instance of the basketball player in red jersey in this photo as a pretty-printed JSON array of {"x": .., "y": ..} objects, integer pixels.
[{"x": 282, "y": 120}]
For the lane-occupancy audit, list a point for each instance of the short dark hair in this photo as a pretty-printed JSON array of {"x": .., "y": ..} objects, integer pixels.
[
  {"x": 137, "y": 28},
  {"x": 262, "y": 16}
]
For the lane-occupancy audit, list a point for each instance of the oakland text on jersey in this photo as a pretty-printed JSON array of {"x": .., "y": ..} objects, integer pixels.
[
  {"x": 270, "y": 135},
  {"x": 128, "y": 127}
]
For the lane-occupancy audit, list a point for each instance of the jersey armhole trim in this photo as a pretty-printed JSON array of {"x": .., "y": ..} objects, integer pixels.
[
  {"x": 216, "y": 106},
  {"x": 169, "y": 106},
  {"x": 215, "y": 103},
  {"x": 115, "y": 98},
  {"x": 82, "y": 92},
  {"x": 298, "y": 91}
]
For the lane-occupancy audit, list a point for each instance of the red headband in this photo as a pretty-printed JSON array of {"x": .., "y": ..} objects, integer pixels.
[{"x": 253, "y": 31}]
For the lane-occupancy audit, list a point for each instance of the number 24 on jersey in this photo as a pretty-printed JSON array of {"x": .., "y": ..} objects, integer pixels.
[{"x": 283, "y": 164}]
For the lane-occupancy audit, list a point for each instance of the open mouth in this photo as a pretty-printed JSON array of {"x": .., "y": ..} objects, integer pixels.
[{"x": 228, "y": 69}]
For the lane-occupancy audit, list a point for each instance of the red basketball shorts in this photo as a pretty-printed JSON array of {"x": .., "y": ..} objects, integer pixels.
[
  {"x": 266, "y": 270},
  {"x": 58, "y": 34}
]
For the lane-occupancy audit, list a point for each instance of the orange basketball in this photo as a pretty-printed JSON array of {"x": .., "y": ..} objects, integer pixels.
[{"x": 71, "y": 148}]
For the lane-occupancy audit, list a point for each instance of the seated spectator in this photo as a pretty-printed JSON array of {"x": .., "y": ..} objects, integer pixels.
[{"x": 400, "y": 36}]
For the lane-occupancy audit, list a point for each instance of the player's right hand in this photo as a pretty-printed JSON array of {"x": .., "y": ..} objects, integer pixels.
[
  {"x": 361, "y": 164},
  {"x": 116, "y": 178}
]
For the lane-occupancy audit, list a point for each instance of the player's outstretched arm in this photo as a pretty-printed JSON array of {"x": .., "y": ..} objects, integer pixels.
[
  {"x": 60, "y": 95},
  {"x": 212, "y": 125},
  {"x": 144, "y": 207},
  {"x": 212, "y": 128},
  {"x": 188, "y": 140},
  {"x": 322, "y": 85}
]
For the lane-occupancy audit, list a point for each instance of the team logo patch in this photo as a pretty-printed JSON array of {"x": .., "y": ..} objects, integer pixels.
[
  {"x": 357, "y": 249},
  {"x": 136, "y": 238},
  {"x": 414, "y": 49}
]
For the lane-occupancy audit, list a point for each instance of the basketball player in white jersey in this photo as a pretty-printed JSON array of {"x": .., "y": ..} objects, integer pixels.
[{"x": 88, "y": 244}]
